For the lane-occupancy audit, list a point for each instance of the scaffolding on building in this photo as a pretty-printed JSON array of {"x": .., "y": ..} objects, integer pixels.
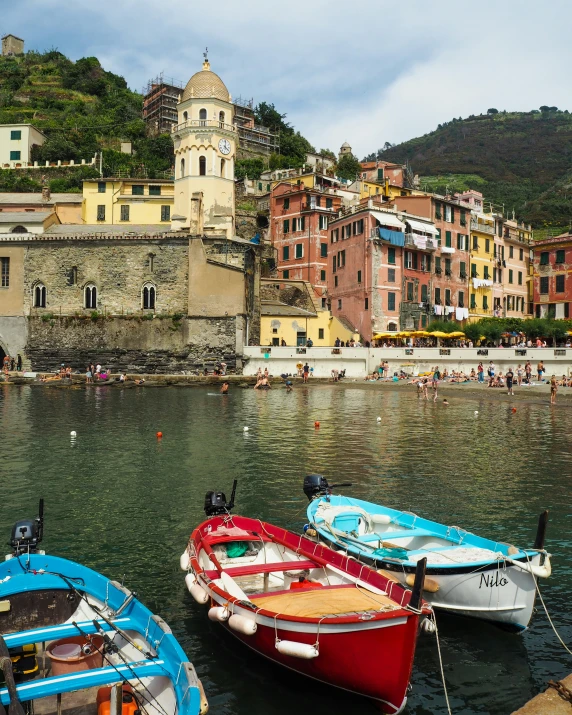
[
  {"x": 161, "y": 96},
  {"x": 253, "y": 136}
]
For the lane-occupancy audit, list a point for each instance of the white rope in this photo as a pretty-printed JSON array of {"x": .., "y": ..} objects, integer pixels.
[{"x": 441, "y": 665}]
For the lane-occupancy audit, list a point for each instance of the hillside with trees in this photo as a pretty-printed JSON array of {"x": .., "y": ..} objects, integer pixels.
[{"x": 520, "y": 161}]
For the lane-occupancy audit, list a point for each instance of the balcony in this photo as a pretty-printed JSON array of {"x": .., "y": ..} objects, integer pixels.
[
  {"x": 421, "y": 243},
  {"x": 312, "y": 206},
  {"x": 482, "y": 227},
  {"x": 203, "y": 124}
]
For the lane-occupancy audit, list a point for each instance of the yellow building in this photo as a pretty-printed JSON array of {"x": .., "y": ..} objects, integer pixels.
[
  {"x": 127, "y": 201},
  {"x": 482, "y": 252},
  {"x": 283, "y": 324},
  {"x": 368, "y": 189}
]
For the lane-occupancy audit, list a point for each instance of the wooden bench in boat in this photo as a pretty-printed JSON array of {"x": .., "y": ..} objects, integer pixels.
[
  {"x": 251, "y": 569},
  {"x": 391, "y": 535},
  {"x": 327, "y": 601}
]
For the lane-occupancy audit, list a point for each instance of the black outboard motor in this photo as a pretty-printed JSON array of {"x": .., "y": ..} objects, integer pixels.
[
  {"x": 216, "y": 503},
  {"x": 28, "y": 533},
  {"x": 315, "y": 485}
]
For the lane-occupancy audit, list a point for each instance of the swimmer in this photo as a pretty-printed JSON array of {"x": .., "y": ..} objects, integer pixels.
[
  {"x": 224, "y": 388},
  {"x": 445, "y": 403},
  {"x": 288, "y": 385}
]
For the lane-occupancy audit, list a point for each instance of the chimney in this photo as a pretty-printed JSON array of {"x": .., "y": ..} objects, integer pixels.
[{"x": 46, "y": 193}]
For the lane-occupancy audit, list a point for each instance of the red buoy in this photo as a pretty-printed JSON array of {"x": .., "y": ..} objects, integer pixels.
[
  {"x": 316, "y": 424},
  {"x": 159, "y": 435},
  {"x": 514, "y": 410}
]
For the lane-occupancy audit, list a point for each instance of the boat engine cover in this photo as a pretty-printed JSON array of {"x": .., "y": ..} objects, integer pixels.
[{"x": 314, "y": 485}]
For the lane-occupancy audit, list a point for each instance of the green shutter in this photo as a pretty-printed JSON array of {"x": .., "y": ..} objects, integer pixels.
[
  {"x": 452, "y": 214},
  {"x": 448, "y": 239}
]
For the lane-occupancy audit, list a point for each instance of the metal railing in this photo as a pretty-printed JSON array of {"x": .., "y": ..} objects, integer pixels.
[
  {"x": 483, "y": 227},
  {"x": 198, "y": 123}
]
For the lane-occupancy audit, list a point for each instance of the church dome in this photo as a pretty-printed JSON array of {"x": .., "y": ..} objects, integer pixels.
[{"x": 206, "y": 84}]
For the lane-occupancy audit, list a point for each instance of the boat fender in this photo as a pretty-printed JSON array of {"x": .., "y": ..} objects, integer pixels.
[
  {"x": 297, "y": 650},
  {"x": 204, "y": 702},
  {"x": 199, "y": 593},
  {"x": 190, "y": 580},
  {"x": 427, "y": 625},
  {"x": 512, "y": 550},
  {"x": 243, "y": 625},
  {"x": 219, "y": 613},
  {"x": 185, "y": 561},
  {"x": 388, "y": 575},
  {"x": 311, "y": 532},
  {"x": 429, "y": 584},
  {"x": 380, "y": 518}
]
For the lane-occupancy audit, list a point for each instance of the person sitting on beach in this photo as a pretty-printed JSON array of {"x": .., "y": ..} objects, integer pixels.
[
  {"x": 45, "y": 378},
  {"x": 335, "y": 374},
  {"x": 122, "y": 377},
  {"x": 263, "y": 384},
  {"x": 473, "y": 375},
  {"x": 140, "y": 381}
]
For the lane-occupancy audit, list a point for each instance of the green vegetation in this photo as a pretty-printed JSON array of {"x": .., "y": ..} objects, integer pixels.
[
  {"x": 82, "y": 109},
  {"x": 519, "y": 160},
  {"x": 494, "y": 328},
  {"x": 348, "y": 167}
]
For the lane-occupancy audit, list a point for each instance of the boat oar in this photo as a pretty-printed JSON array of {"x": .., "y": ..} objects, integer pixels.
[{"x": 15, "y": 707}]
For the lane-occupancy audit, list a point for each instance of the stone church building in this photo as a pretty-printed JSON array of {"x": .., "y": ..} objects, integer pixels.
[{"x": 143, "y": 298}]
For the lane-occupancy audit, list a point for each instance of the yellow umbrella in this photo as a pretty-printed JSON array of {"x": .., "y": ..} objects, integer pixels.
[
  {"x": 569, "y": 332},
  {"x": 420, "y": 334},
  {"x": 457, "y": 334},
  {"x": 405, "y": 334},
  {"x": 378, "y": 336},
  {"x": 439, "y": 334}
]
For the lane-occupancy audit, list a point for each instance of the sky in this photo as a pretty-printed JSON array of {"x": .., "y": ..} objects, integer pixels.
[{"x": 366, "y": 73}]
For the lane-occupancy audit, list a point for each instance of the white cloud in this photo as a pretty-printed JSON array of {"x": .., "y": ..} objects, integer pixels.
[{"x": 365, "y": 73}]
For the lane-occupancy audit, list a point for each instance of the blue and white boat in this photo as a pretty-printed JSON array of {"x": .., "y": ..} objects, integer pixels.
[
  {"x": 466, "y": 574},
  {"x": 73, "y": 639}
]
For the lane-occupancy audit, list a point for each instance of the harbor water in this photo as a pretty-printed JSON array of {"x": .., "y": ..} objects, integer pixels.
[{"x": 123, "y": 502}]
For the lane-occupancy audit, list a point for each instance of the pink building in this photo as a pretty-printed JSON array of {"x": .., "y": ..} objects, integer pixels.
[{"x": 365, "y": 275}]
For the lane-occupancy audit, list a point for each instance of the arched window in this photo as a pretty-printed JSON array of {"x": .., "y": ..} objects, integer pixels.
[
  {"x": 222, "y": 168},
  {"x": 148, "y": 296},
  {"x": 203, "y": 117},
  {"x": 202, "y": 166},
  {"x": 182, "y": 168},
  {"x": 221, "y": 119},
  {"x": 40, "y": 296},
  {"x": 90, "y": 296},
  {"x": 19, "y": 229},
  {"x": 185, "y": 116}
]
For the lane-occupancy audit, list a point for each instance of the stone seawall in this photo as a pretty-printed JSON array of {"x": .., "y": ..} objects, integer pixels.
[{"x": 170, "y": 344}]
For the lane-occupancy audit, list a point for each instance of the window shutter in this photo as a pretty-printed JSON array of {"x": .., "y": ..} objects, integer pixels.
[{"x": 452, "y": 214}]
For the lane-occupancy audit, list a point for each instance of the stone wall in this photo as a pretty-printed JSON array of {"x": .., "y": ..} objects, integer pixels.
[
  {"x": 133, "y": 344},
  {"x": 117, "y": 268}
]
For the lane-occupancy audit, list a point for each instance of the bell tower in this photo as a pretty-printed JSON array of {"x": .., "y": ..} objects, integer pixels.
[{"x": 205, "y": 142}]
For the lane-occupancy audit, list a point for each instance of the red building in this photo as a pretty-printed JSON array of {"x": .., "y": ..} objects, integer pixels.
[
  {"x": 299, "y": 231},
  {"x": 552, "y": 276},
  {"x": 365, "y": 278},
  {"x": 381, "y": 171},
  {"x": 449, "y": 269}
]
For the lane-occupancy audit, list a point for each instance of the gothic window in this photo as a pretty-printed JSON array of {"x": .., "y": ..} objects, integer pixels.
[
  {"x": 90, "y": 296},
  {"x": 40, "y": 296},
  {"x": 185, "y": 116},
  {"x": 203, "y": 117},
  {"x": 202, "y": 166},
  {"x": 148, "y": 296},
  {"x": 182, "y": 168}
]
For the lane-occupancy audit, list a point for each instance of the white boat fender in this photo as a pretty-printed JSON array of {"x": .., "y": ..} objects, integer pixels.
[
  {"x": 543, "y": 571},
  {"x": 185, "y": 561},
  {"x": 297, "y": 650},
  {"x": 190, "y": 580},
  {"x": 197, "y": 591},
  {"x": 380, "y": 519},
  {"x": 219, "y": 613},
  {"x": 243, "y": 625},
  {"x": 427, "y": 625}
]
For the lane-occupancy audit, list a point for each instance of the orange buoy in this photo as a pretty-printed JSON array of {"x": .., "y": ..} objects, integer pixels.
[
  {"x": 159, "y": 435},
  {"x": 514, "y": 410},
  {"x": 316, "y": 424}
]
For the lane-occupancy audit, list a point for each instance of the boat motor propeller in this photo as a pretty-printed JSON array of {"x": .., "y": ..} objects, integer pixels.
[
  {"x": 315, "y": 485},
  {"x": 216, "y": 503},
  {"x": 28, "y": 533}
]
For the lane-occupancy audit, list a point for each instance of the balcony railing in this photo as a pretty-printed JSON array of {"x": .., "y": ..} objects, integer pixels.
[
  {"x": 203, "y": 123},
  {"x": 314, "y": 207},
  {"x": 421, "y": 243},
  {"x": 483, "y": 227}
]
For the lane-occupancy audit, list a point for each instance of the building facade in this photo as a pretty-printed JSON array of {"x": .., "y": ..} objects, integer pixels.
[
  {"x": 485, "y": 267},
  {"x": 113, "y": 201},
  {"x": 160, "y": 100},
  {"x": 12, "y": 45},
  {"x": 517, "y": 296},
  {"x": 205, "y": 150},
  {"x": 16, "y": 142},
  {"x": 365, "y": 277},
  {"x": 299, "y": 231},
  {"x": 552, "y": 277}
]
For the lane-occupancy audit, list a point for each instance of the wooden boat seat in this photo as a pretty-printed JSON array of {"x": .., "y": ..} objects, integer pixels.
[
  {"x": 316, "y": 603},
  {"x": 391, "y": 535},
  {"x": 256, "y": 568}
]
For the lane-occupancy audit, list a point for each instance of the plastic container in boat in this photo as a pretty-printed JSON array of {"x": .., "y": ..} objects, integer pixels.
[{"x": 68, "y": 654}]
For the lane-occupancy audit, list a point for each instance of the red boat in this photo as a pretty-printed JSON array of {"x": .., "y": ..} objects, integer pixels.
[{"x": 305, "y": 606}]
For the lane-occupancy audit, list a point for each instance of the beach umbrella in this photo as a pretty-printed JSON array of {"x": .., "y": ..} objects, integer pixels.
[
  {"x": 457, "y": 334},
  {"x": 420, "y": 334},
  {"x": 439, "y": 334}
]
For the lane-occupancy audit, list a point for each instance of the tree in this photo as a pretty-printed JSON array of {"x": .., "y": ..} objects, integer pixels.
[
  {"x": 492, "y": 110},
  {"x": 444, "y": 326},
  {"x": 473, "y": 332},
  {"x": 267, "y": 115},
  {"x": 348, "y": 167},
  {"x": 492, "y": 329}
]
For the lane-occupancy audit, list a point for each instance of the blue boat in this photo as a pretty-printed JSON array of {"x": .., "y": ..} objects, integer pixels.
[
  {"x": 466, "y": 574},
  {"x": 71, "y": 638}
]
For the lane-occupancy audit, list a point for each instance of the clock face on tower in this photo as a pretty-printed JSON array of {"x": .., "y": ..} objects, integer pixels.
[{"x": 224, "y": 146}]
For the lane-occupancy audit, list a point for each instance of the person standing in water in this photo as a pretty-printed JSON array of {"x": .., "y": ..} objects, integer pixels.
[
  {"x": 224, "y": 388},
  {"x": 553, "y": 389},
  {"x": 509, "y": 380}
]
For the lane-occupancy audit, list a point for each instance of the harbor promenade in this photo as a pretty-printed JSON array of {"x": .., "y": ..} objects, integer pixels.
[{"x": 358, "y": 362}]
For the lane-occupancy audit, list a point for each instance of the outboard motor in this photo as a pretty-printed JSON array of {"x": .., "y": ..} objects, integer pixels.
[
  {"x": 315, "y": 485},
  {"x": 28, "y": 533},
  {"x": 216, "y": 503}
]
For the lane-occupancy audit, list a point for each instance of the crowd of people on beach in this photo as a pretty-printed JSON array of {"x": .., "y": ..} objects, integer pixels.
[{"x": 11, "y": 364}]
